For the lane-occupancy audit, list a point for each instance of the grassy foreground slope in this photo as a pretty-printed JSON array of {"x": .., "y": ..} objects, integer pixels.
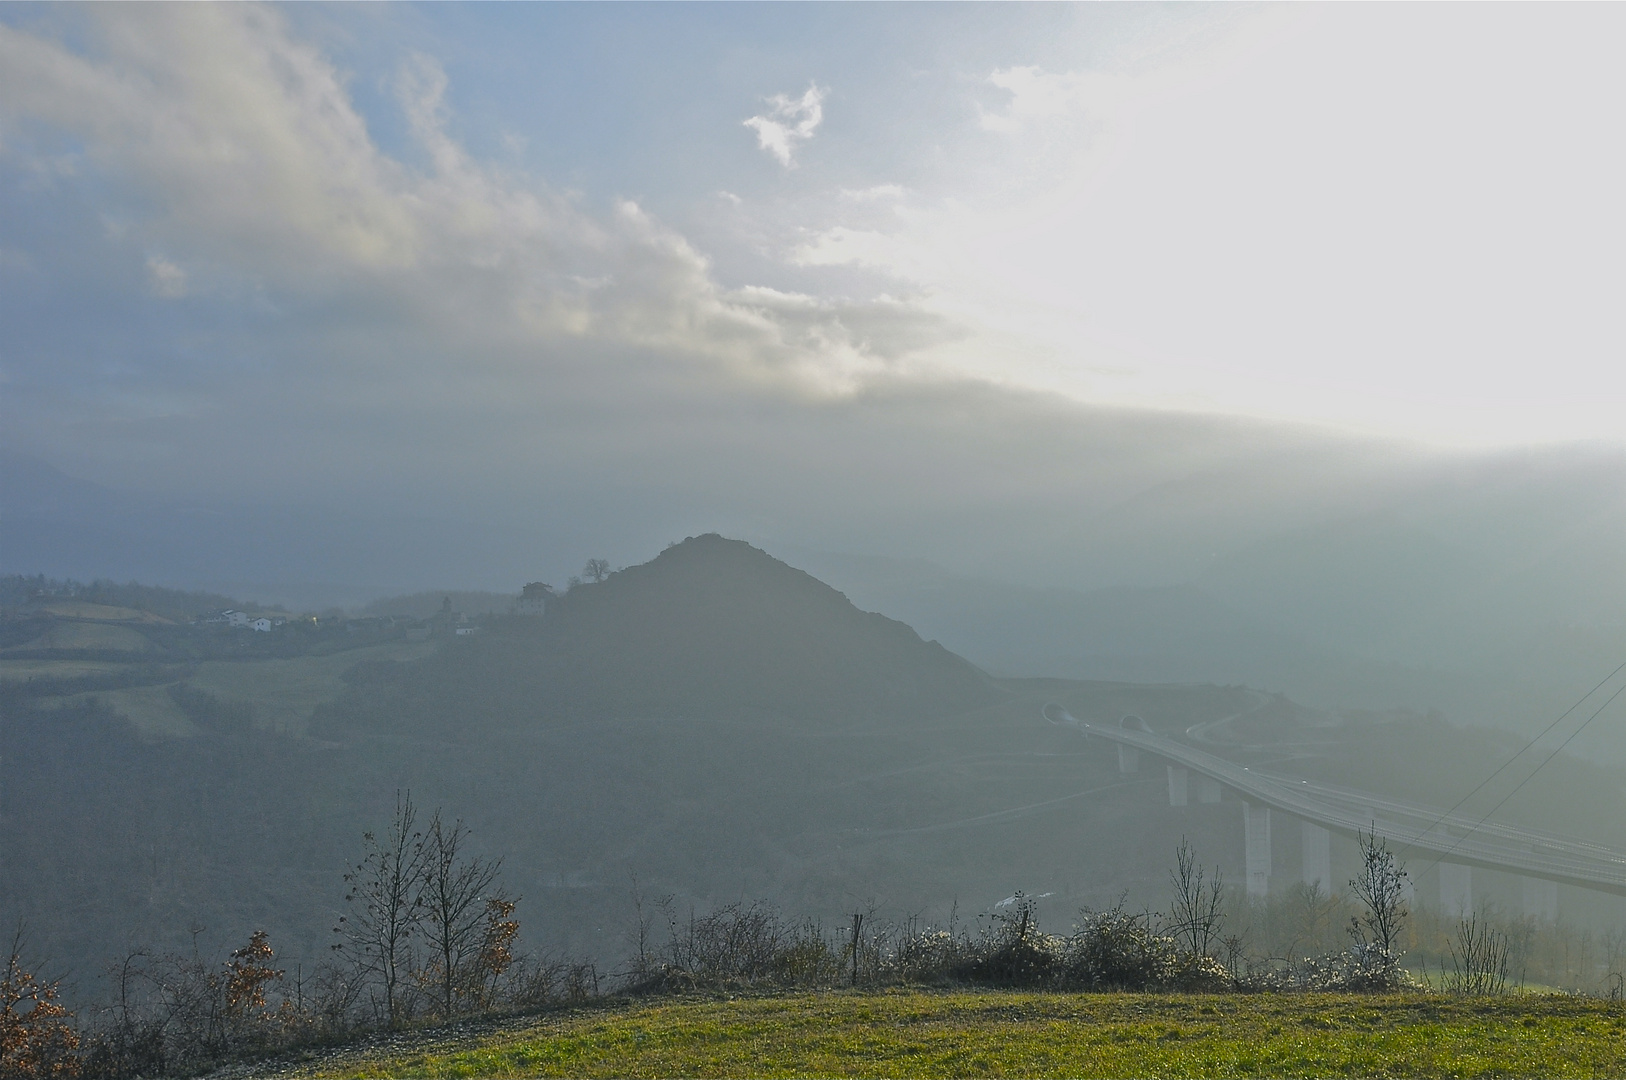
[{"x": 990, "y": 1033}]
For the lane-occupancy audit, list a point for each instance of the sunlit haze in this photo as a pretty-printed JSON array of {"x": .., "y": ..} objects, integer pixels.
[{"x": 878, "y": 495}]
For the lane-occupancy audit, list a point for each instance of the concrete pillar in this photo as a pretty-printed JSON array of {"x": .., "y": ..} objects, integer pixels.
[
  {"x": 1540, "y": 898},
  {"x": 1256, "y": 848},
  {"x": 1179, "y": 784},
  {"x": 1456, "y": 889},
  {"x": 1317, "y": 863},
  {"x": 1128, "y": 759},
  {"x": 1208, "y": 789}
]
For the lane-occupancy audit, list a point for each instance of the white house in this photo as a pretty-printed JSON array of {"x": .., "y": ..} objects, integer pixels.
[
  {"x": 236, "y": 618},
  {"x": 262, "y": 625}
]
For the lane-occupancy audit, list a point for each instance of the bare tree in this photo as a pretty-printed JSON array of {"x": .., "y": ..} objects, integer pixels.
[
  {"x": 453, "y": 907},
  {"x": 1198, "y": 903},
  {"x": 1381, "y": 889},
  {"x": 596, "y": 569},
  {"x": 1479, "y": 958},
  {"x": 386, "y": 888}
]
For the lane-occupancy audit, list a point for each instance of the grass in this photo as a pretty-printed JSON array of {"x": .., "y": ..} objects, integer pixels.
[
  {"x": 102, "y": 636},
  {"x": 991, "y": 1033},
  {"x": 23, "y": 670},
  {"x": 149, "y": 709},
  {"x": 284, "y": 692},
  {"x": 81, "y": 609}
]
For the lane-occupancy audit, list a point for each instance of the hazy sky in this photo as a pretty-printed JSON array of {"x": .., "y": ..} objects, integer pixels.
[{"x": 761, "y": 261}]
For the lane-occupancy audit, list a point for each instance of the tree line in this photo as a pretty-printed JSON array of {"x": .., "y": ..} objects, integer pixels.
[{"x": 428, "y": 934}]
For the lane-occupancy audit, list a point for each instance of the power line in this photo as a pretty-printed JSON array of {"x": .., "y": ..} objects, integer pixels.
[
  {"x": 1527, "y": 779},
  {"x": 1543, "y": 734}
]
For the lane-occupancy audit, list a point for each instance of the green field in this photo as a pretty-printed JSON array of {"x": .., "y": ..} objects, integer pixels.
[
  {"x": 282, "y": 691},
  {"x": 100, "y": 636},
  {"x": 22, "y": 670},
  {"x": 990, "y": 1033},
  {"x": 285, "y": 691}
]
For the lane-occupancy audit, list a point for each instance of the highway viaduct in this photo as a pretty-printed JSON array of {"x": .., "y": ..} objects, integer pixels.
[{"x": 1458, "y": 843}]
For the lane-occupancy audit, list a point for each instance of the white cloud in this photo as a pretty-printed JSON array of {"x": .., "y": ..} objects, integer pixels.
[
  {"x": 246, "y": 146},
  {"x": 165, "y": 278},
  {"x": 873, "y": 194},
  {"x": 789, "y": 122}
]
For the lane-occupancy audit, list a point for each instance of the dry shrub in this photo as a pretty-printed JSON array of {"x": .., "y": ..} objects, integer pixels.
[{"x": 37, "y": 1038}]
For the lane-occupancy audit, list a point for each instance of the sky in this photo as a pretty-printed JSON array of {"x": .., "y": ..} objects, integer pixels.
[{"x": 865, "y": 276}]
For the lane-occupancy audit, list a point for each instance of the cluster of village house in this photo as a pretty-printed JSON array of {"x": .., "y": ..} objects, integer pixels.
[
  {"x": 532, "y": 601},
  {"x": 261, "y": 623}
]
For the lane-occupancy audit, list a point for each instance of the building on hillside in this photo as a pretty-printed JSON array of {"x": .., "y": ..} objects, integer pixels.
[
  {"x": 445, "y": 622},
  {"x": 533, "y": 599},
  {"x": 236, "y": 618},
  {"x": 261, "y": 625}
]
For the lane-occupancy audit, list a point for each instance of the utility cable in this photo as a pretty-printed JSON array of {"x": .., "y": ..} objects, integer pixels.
[
  {"x": 1526, "y": 749},
  {"x": 1527, "y": 779}
]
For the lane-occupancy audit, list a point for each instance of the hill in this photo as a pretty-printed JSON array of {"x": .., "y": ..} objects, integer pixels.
[
  {"x": 713, "y": 725},
  {"x": 711, "y": 627}
]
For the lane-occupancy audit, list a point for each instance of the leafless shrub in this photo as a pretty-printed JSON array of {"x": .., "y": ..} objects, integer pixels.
[
  {"x": 468, "y": 932},
  {"x": 1199, "y": 903},
  {"x": 537, "y": 982},
  {"x": 1358, "y": 970},
  {"x": 386, "y": 906},
  {"x": 1381, "y": 889},
  {"x": 742, "y": 944},
  {"x": 1120, "y": 950},
  {"x": 179, "y": 1014},
  {"x": 1479, "y": 958},
  {"x": 916, "y": 954},
  {"x": 1012, "y": 950}
]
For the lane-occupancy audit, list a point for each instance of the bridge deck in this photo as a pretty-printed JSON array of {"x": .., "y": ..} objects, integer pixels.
[{"x": 1455, "y": 837}]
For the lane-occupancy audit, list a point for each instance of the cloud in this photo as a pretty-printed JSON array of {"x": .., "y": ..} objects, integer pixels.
[
  {"x": 248, "y": 154},
  {"x": 789, "y": 122},
  {"x": 872, "y": 194},
  {"x": 430, "y": 328},
  {"x": 1037, "y": 96},
  {"x": 428, "y": 320},
  {"x": 167, "y": 279}
]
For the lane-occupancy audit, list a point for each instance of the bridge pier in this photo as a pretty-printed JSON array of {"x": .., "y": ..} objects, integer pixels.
[
  {"x": 1540, "y": 898},
  {"x": 1256, "y": 848},
  {"x": 1317, "y": 862},
  {"x": 1456, "y": 889},
  {"x": 1128, "y": 759},
  {"x": 1179, "y": 785}
]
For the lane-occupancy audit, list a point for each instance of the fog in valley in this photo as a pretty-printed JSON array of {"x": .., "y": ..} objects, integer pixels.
[{"x": 884, "y": 461}]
